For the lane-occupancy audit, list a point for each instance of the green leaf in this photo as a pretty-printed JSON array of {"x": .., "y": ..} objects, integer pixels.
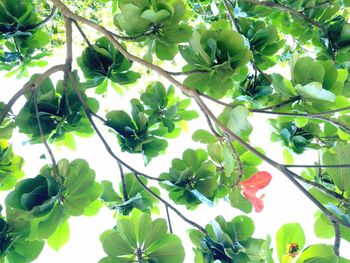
[
  {"x": 306, "y": 70},
  {"x": 288, "y": 234},
  {"x": 60, "y": 237},
  {"x": 140, "y": 233},
  {"x": 203, "y": 136},
  {"x": 238, "y": 201},
  {"x": 314, "y": 91},
  {"x": 283, "y": 86},
  {"x": 244, "y": 227},
  {"x": 237, "y": 120},
  {"x": 318, "y": 253},
  {"x": 323, "y": 227},
  {"x": 335, "y": 156}
]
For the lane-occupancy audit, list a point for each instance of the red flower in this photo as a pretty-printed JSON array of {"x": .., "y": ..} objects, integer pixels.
[{"x": 249, "y": 188}]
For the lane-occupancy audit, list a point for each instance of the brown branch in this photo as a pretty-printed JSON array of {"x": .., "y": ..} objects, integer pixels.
[
  {"x": 317, "y": 165},
  {"x": 337, "y": 237},
  {"x": 168, "y": 218}
]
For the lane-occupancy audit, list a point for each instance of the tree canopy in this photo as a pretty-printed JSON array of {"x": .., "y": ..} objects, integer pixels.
[{"x": 226, "y": 53}]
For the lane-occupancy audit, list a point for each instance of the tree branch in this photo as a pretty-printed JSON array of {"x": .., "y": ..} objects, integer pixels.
[
  {"x": 187, "y": 73},
  {"x": 336, "y": 238},
  {"x": 317, "y": 165},
  {"x": 27, "y": 87},
  {"x": 168, "y": 217},
  {"x": 317, "y": 116}
]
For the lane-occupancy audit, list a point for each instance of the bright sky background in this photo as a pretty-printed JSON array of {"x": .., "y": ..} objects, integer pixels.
[{"x": 283, "y": 202}]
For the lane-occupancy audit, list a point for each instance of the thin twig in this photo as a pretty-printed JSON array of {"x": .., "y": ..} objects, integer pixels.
[
  {"x": 317, "y": 165},
  {"x": 42, "y": 136},
  {"x": 238, "y": 160},
  {"x": 283, "y": 103},
  {"x": 211, "y": 127},
  {"x": 322, "y": 188},
  {"x": 317, "y": 116},
  {"x": 168, "y": 217},
  {"x": 187, "y": 73},
  {"x": 337, "y": 237},
  {"x": 194, "y": 224}
]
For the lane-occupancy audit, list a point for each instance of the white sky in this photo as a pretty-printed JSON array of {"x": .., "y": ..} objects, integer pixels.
[{"x": 283, "y": 202}]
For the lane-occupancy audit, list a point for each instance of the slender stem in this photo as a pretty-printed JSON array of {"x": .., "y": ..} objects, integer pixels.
[
  {"x": 13, "y": 100},
  {"x": 306, "y": 115},
  {"x": 187, "y": 73},
  {"x": 194, "y": 224},
  {"x": 322, "y": 188},
  {"x": 43, "y": 138},
  {"x": 317, "y": 116},
  {"x": 168, "y": 217},
  {"x": 129, "y": 38},
  {"x": 122, "y": 176},
  {"x": 211, "y": 127},
  {"x": 346, "y": 165},
  {"x": 99, "y": 134},
  {"x": 336, "y": 238},
  {"x": 283, "y": 103},
  {"x": 238, "y": 160}
]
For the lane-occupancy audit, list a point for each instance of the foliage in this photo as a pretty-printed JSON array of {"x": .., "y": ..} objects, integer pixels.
[
  {"x": 229, "y": 241},
  {"x": 286, "y": 59},
  {"x": 59, "y": 111},
  {"x": 139, "y": 238},
  {"x": 102, "y": 61}
]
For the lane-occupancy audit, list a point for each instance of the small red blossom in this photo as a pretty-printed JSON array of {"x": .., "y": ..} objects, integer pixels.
[{"x": 251, "y": 186}]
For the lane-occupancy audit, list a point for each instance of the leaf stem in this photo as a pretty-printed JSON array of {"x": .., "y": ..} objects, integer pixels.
[{"x": 168, "y": 217}]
